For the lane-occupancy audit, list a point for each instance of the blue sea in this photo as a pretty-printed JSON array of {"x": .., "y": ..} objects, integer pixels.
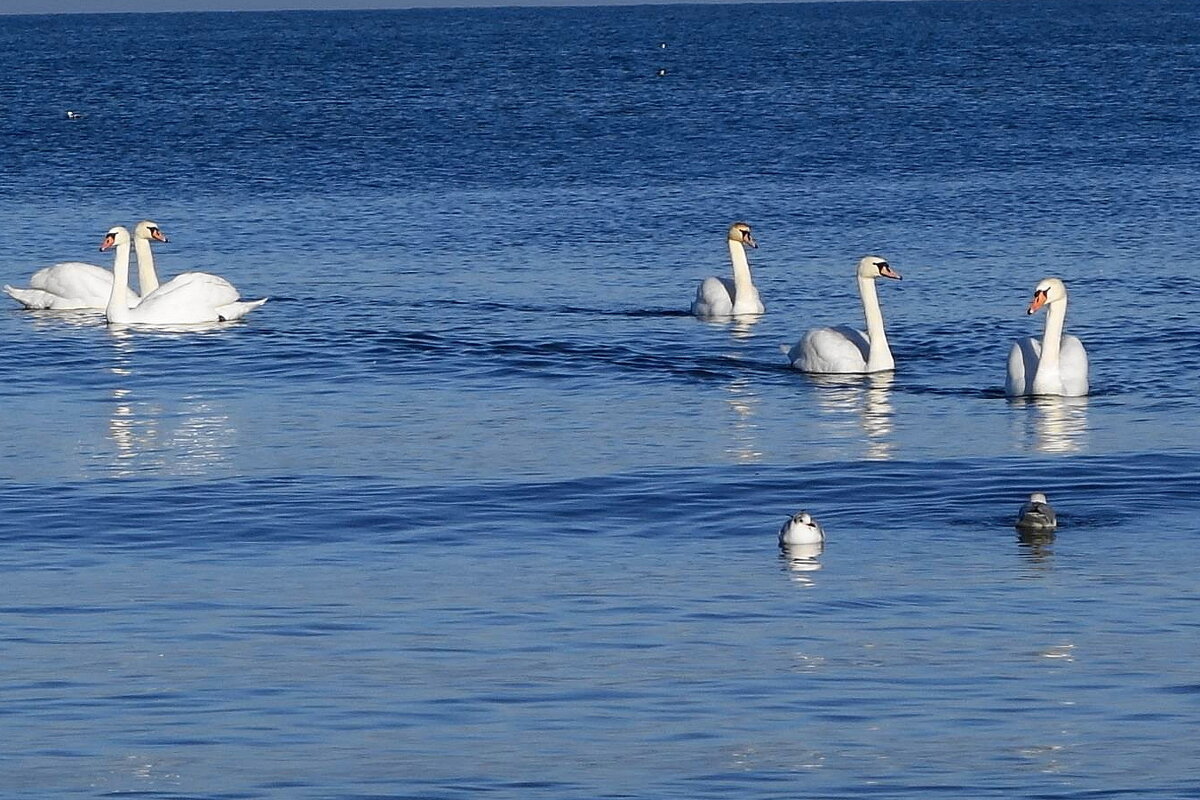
[{"x": 472, "y": 507}]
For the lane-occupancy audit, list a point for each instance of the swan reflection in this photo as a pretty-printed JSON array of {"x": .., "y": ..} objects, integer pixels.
[
  {"x": 855, "y": 405},
  {"x": 742, "y": 326},
  {"x": 744, "y": 431},
  {"x": 1053, "y": 424},
  {"x": 148, "y": 437},
  {"x": 802, "y": 559}
]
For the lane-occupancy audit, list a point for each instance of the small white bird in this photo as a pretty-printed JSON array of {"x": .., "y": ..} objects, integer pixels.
[
  {"x": 1037, "y": 515},
  {"x": 801, "y": 528},
  {"x": 74, "y": 115}
]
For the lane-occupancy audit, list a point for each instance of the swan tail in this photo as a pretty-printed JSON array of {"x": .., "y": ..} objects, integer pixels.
[
  {"x": 232, "y": 311},
  {"x": 39, "y": 299}
]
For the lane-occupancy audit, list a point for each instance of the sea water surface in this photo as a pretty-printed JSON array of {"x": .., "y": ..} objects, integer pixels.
[{"x": 473, "y": 507}]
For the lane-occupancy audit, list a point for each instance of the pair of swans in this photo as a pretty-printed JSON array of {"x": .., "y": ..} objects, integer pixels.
[
  {"x": 74, "y": 285},
  {"x": 1055, "y": 365},
  {"x": 189, "y": 298},
  {"x": 824, "y": 350}
]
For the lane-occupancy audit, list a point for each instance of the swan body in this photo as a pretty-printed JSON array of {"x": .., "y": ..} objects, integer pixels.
[
  {"x": 1037, "y": 515},
  {"x": 67, "y": 286},
  {"x": 187, "y": 299},
  {"x": 1055, "y": 365},
  {"x": 722, "y": 297},
  {"x": 74, "y": 285},
  {"x": 846, "y": 350},
  {"x": 801, "y": 528}
]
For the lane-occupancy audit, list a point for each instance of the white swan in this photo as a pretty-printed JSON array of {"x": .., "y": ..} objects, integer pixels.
[
  {"x": 801, "y": 528},
  {"x": 187, "y": 299},
  {"x": 1056, "y": 365},
  {"x": 73, "y": 285},
  {"x": 1037, "y": 515},
  {"x": 842, "y": 350},
  {"x": 721, "y": 297}
]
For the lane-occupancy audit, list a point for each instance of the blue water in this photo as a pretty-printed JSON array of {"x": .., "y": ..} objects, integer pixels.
[{"x": 473, "y": 507}]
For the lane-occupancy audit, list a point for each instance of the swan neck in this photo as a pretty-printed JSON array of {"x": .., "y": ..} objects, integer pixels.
[
  {"x": 118, "y": 300},
  {"x": 741, "y": 266},
  {"x": 147, "y": 277},
  {"x": 1056, "y": 315},
  {"x": 879, "y": 357}
]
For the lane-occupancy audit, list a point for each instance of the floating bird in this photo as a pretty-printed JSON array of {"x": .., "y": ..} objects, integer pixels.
[
  {"x": 1037, "y": 515},
  {"x": 800, "y": 528},
  {"x": 846, "y": 350},
  {"x": 721, "y": 297},
  {"x": 1056, "y": 365},
  {"x": 662, "y": 73},
  {"x": 74, "y": 115}
]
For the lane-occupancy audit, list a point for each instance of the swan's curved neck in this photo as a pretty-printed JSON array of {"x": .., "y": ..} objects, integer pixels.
[
  {"x": 1047, "y": 379},
  {"x": 118, "y": 300},
  {"x": 741, "y": 266},
  {"x": 879, "y": 358},
  {"x": 147, "y": 277}
]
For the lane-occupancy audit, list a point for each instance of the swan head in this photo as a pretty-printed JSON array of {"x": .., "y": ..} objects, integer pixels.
[
  {"x": 116, "y": 236},
  {"x": 801, "y": 528},
  {"x": 1049, "y": 290},
  {"x": 740, "y": 232},
  {"x": 147, "y": 229},
  {"x": 876, "y": 267}
]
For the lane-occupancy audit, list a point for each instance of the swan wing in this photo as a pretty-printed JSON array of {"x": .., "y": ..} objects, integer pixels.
[
  {"x": 831, "y": 350},
  {"x": 714, "y": 298},
  {"x": 1073, "y": 366},
  {"x": 1023, "y": 359}
]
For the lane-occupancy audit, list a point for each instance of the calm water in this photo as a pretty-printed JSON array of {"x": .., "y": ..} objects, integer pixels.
[{"x": 472, "y": 507}]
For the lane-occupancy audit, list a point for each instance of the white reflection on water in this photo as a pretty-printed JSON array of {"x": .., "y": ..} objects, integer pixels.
[
  {"x": 1052, "y": 424},
  {"x": 744, "y": 444},
  {"x": 860, "y": 404},
  {"x": 149, "y": 437},
  {"x": 801, "y": 560},
  {"x": 742, "y": 326}
]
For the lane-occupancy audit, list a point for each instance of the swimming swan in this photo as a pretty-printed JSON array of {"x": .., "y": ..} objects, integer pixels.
[
  {"x": 1037, "y": 515},
  {"x": 190, "y": 298},
  {"x": 721, "y": 297},
  {"x": 801, "y": 528},
  {"x": 75, "y": 285},
  {"x": 845, "y": 350},
  {"x": 1056, "y": 365}
]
